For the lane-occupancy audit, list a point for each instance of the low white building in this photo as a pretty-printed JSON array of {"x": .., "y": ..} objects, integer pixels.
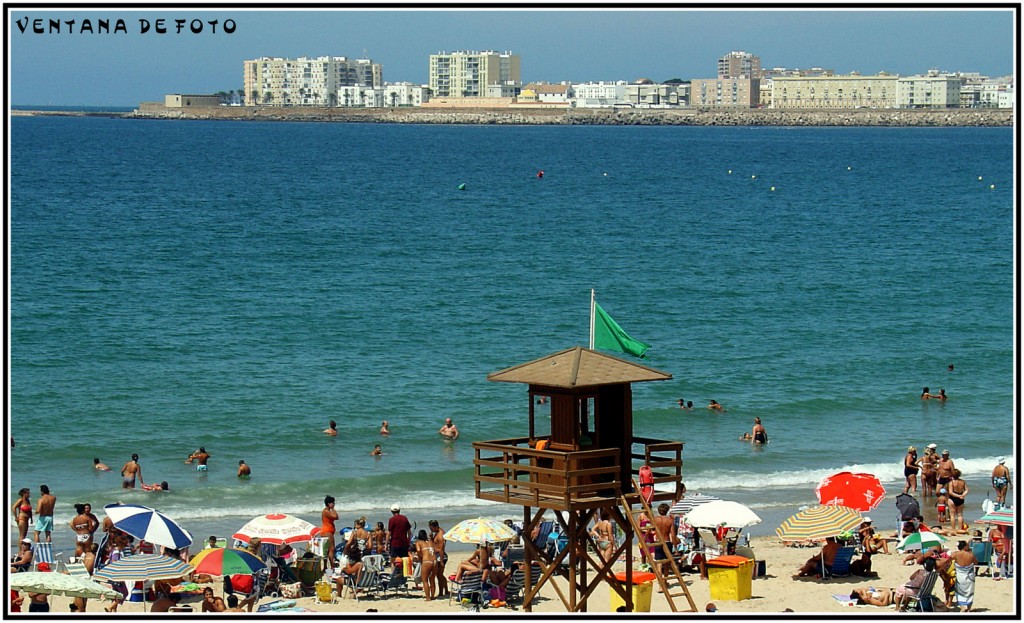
[
  {"x": 405, "y": 94},
  {"x": 599, "y": 94}
]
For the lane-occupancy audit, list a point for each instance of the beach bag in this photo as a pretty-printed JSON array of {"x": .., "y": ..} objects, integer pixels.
[
  {"x": 293, "y": 590},
  {"x": 646, "y": 483},
  {"x": 323, "y": 591},
  {"x": 498, "y": 592}
]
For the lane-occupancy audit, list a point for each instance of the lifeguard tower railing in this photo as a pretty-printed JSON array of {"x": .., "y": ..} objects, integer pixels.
[{"x": 510, "y": 471}]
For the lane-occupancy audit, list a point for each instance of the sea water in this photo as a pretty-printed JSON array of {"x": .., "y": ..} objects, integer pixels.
[{"x": 236, "y": 285}]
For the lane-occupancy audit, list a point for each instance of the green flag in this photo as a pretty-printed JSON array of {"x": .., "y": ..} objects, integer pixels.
[{"x": 610, "y": 336}]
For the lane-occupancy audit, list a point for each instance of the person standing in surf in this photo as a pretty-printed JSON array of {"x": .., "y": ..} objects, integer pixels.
[
  {"x": 759, "y": 434},
  {"x": 910, "y": 469}
]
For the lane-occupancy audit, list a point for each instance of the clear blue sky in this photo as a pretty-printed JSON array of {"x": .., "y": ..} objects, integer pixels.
[{"x": 555, "y": 45}]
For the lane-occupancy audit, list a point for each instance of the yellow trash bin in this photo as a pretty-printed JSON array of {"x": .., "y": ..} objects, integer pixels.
[
  {"x": 643, "y": 586},
  {"x": 729, "y": 577}
]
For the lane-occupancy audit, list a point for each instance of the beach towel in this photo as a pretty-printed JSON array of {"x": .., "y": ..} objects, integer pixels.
[
  {"x": 965, "y": 586},
  {"x": 845, "y": 600}
]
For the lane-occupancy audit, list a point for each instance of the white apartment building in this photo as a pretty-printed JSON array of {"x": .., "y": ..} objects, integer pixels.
[
  {"x": 835, "y": 92},
  {"x": 933, "y": 90},
  {"x": 470, "y": 73},
  {"x": 650, "y": 95},
  {"x": 306, "y": 81},
  {"x": 599, "y": 94}
]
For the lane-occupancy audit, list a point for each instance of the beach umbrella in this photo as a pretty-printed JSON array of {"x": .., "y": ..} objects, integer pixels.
[
  {"x": 479, "y": 531},
  {"x": 920, "y": 541},
  {"x": 142, "y": 567},
  {"x": 908, "y": 505},
  {"x": 277, "y": 529},
  {"x": 1001, "y": 517},
  {"x": 226, "y": 561},
  {"x": 819, "y": 522},
  {"x": 722, "y": 513},
  {"x": 60, "y": 584},
  {"x": 863, "y": 492},
  {"x": 691, "y": 502},
  {"x": 148, "y": 524}
]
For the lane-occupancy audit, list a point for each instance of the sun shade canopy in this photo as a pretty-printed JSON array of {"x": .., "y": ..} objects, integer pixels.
[{"x": 577, "y": 367}]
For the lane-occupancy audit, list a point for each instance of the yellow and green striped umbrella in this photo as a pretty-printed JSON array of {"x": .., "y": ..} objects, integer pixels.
[{"x": 819, "y": 522}]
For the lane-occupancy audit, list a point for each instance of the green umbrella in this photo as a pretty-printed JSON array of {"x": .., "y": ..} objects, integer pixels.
[{"x": 923, "y": 540}]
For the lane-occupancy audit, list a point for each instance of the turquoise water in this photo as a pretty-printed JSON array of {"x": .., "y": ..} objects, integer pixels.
[{"x": 236, "y": 285}]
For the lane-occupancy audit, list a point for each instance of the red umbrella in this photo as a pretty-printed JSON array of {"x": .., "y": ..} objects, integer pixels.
[{"x": 860, "y": 491}]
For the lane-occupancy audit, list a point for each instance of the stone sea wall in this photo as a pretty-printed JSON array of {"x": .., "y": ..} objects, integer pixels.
[{"x": 512, "y": 116}]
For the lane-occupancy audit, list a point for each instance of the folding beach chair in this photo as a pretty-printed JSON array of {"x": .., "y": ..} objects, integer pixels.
[
  {"x": 517, "y": 583},
  {"x": 982, "y": 551},
  {"x": 78, "y": 570},
  {"x": 393, "y": 582},
  {"x": 840, "y": 565},
  {"x": 470, "y": 593},
  {"x": 367, "y": 581},
  {"x": 920, "y": 600},
  {"x": 43, "y": 552},
  {"x": 309, "y": 571}
]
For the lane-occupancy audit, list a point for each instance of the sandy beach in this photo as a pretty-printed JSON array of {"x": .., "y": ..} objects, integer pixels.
[{"x": 771, "y": 594}]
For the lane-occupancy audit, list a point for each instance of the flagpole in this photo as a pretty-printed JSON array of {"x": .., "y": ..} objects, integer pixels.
[{"x": 591, "y": 318}]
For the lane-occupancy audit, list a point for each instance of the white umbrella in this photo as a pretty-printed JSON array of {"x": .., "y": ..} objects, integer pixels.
[
  {"x": 60, "y": 584},
  {"x": 479, "y": 531},
  {"x": 926, "y": 539},
  {"x": 277, "y": 529},
  {"x": 722, "y": 512}
]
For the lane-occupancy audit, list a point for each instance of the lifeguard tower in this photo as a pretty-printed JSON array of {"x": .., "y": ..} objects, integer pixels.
[{"x": 582, "y": 462}]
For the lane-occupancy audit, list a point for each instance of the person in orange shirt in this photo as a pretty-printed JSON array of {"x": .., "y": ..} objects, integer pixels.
[{"x": 328, "y": 517}]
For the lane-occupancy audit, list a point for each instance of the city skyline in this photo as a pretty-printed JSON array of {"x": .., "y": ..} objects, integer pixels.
[{"x": 128, "y": 66}]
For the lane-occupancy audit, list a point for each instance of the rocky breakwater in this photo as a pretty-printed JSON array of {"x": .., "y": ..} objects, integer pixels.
[{"x": 684, "y": 116}]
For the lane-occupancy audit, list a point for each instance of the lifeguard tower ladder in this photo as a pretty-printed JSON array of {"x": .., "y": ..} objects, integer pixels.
[{"x": 584, "y": 463}]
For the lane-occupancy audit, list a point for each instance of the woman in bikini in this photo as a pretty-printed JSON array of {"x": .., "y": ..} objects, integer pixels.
[
  {"x": 957, "y": 497},
  {"x": 479, "y": 561},
  {"x": 377, "y": 539},
  {"x": 425, "y": 555},
  {"x": 881, "y": 597},
  {"x": 360, "y": 535},
  {"x": 22, "y": 510},
  {"x": 602, "y": 533},
  {"x": 353, "y": 567},
  {"x": 81, "y": 525},
  {"x": 910, "y": 469}
]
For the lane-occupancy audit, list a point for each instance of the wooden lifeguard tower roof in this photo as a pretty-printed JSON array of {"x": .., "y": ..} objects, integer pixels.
[{"x": 577, "y": 367}]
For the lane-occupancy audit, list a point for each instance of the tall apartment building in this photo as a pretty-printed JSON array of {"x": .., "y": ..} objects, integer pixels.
[
  {"x": 468, "y": 74},
  {"x": 739, "y": 65},
  {"x": 727, "y": 92},
  {"x": 306, "y": 81},
  {"x": 933, "y": 90},
  {"x": 831, "y": 92}
]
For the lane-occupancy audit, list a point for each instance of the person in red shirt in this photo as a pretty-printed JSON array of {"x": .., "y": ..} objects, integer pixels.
[{"x": 399, "y": 531}]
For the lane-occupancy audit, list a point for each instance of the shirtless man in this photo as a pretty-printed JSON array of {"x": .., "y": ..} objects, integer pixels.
[
  {"x": 130, "y": 471},
  {"x": 202, "y": 456},
  {"x": 44, "y": 513},
  {"x": 81, "y": 525},
  {"x": 449, "y": 430},
  {"x": 827, "y": 555},
  {"x": 243, "y": 469},
  {"x": 602, "y": 533},
  {"x": 233, "y": 604},
  {"x": 1001, "y": 481},
  {"x": 714, "y": 405},
  {"x": 211, "y": 603},
  {"x": 945, "y": 469},
  {"x": 384, "y": 428},
  {"x": 332, "y": 429},
  {"x": 666, "y": 527}
]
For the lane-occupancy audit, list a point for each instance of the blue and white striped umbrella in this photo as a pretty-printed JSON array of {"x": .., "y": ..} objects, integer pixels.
[
  {"x": 691, "y": 502},
  {"x": 148, "y": 524},
  {"x": 142, "y": 567}
]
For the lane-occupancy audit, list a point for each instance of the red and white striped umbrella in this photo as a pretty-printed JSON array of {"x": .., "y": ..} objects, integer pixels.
[
  {"x": 277, "y": 529},
  {"x": 863, "y": 492}
]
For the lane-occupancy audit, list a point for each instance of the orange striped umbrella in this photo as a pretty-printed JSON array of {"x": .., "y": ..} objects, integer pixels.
[{"x": 819, "y": 522}]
